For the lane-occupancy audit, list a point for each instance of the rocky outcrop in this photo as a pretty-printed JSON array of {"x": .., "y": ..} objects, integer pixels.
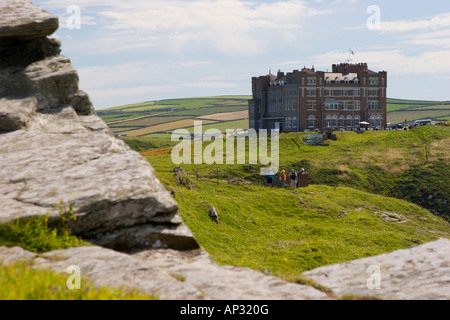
[
  {"x": 22, "y": 20},
  {"x": 53, "y": 148},
  {"x": 419, "y": 273},
  {"x": 167, "y": 274},
  {"x": 56, "y": 154}
]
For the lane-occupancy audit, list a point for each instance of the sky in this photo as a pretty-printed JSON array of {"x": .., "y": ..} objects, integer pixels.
[{"x": 131, "y": 51}]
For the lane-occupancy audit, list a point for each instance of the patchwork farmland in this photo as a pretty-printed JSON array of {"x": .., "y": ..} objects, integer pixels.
[
  {"x": 399, "y": 111},
  {"x": 160, "y": 118}
]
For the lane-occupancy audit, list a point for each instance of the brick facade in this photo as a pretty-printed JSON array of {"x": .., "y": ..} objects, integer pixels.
[{"x": 310, "y": 100}]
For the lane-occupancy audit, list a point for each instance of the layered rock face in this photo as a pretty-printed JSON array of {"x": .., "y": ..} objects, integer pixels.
[{"x": 53, "y": 148}]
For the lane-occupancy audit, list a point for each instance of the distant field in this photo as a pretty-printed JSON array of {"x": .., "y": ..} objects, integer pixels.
[
  {"x": 152, "y": 121},
  {"x": 223, "y": 126},
  {"x": 397, "y": 117},
  {"x": 211, "y": 110},
  {"x": 410, "y": 110},
  {"x": 227, "y": 116},
  {"x": 164, "y": 127},
  {"x": 162, "y": 117}
]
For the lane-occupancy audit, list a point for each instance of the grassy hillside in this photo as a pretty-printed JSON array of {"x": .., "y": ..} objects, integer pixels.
[
  {"x": 411, "y": 165},
  {"x": 350, "y": 210},
  {"x": 287, "y": 232}
]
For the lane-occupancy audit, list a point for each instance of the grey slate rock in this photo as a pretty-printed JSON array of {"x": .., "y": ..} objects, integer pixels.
[
  {"x": 23, "y": 20},
  {"x": 53, "y": 148},
  {"x": 419, "y": 273},
  {"x": 168, "y": 274}
]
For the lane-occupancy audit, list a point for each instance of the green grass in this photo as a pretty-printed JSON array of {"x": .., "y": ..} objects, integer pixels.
[
  {"x": 339, "y": 217},
  {"x": 39, "y": 234},
  {"x": 141, "y": 144},
  {"x": 20, "y": 281},
  {"x": 287, "y": 232},
  {"x": 391, "y": 163}
]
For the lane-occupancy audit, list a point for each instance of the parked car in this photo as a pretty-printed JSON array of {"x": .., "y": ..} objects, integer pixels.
[
  {"x": 397, "y": 126},
  {"x": 424, "y": 122}
]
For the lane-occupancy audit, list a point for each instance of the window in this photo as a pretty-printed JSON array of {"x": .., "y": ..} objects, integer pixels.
[
  {"x": 349, "y": 121},
  {"x": 357, "y": 105},
  {"x": 346, "y": 80},
  {"x": 373, "y": 81},
  {"x": 357, "y": 121},
  {"x": 344, "y": 92},
  {"x": 378, "y": 121},
  {"x": 356, "y": 80},
  {"x": 373, "y": 105},
  {"x": 311, "y": 105},
  {"x": 357, "y": 93},
  {"x": 312, "y": 81},
  {"x": 328, "y": 93},
  {"x": 344, "y": 105},
  {"x": 311, "y": 92},
  {"x": 337, "y": 80},
  {"x": 331, "y": 106},
  {"x": 334, "y": 121},
  {"x": 311, "y": 121},
  {"x": 341, "y": 121},
  {"x": 294, "y": 122},
  {"x": 373, "y": 93},
  {"x": 328, "y": 80}
]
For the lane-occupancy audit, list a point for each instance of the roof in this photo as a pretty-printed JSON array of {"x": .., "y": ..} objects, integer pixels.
[
  {"x": 341, "y": 76},
  {"x": 272, "y": 77}
]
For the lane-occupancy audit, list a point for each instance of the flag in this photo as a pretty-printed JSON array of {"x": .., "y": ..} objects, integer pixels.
[{"x": 352, "y": 52}]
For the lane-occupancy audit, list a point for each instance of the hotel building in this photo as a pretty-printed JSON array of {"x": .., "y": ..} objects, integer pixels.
[{"x": 309, "y": 100}]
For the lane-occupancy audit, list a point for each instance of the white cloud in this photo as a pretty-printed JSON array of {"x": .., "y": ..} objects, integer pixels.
[
  {"x": 439, "y": 39},
  {"x": 227, "y": 26},
  {"x": 212, "y": 84},
  {"x": 430, "y": 23},
  {"x": 396, "y": 61},
  {"x": 129, "y": 92},
  {"x": 123, "y": 74}
]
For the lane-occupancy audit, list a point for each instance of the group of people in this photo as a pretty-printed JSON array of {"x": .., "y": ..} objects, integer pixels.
[{"x": 283, "y": 177}]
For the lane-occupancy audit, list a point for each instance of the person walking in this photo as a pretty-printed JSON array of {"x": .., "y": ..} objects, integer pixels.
[
  {"x": 301, "y": 172},
  {"x": 293, "y": 177},
  {"x": 283, "y": 178},
  {"x": 270, "y": 177}
]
